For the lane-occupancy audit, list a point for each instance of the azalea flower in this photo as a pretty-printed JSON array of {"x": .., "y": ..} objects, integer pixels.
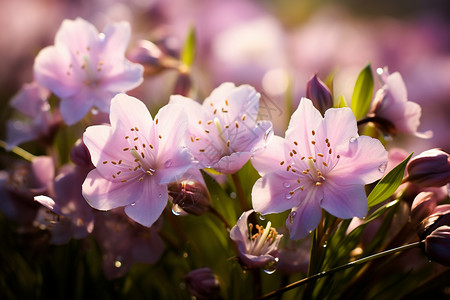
[
  {"x": 391, "y": 103},
  {"x": 259, "y": 249},
  {"x": 85, "y": 68},
  {"x": 135, "y": 158},
  {"x": 321, "y": 163},
  {"x": 223, "y": 131}
]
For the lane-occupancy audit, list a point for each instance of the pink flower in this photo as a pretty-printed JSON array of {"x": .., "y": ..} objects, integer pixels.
[
  {"x": 258, "y": 246},
  {"x": 39, "y": 123},
  {"x": 135, "y": 158},
  {"x": 223, "y": 131},
  {"x": 85, "y": 68},
  {"x": 391, "y": 103},
  {"x": 321, "y": 163}
]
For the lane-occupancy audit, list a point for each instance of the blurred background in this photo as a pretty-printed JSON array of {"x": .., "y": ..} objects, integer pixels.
[{"x": 275, "y": 45}]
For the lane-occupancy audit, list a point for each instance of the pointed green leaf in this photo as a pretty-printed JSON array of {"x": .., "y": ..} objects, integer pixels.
[
  {"x": 388, "y": 184},
  {"x": 188, "y": 53},
  {"x": 362, "y": 94},
  {"x": 220, "y": 199},
  {"x": 341, "y": 102}
]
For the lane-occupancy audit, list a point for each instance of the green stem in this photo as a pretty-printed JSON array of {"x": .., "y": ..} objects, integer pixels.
[
  {"x": 240, "y": 192},
  {"x": 220, "y": 216},
  {"x": 19, "y": 151},
  {"x": 340, "y": 268}
]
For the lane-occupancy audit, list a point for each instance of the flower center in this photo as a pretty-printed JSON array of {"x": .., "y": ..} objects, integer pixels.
[
  {"x": 313, "y": 168},
  {"x": 262, "y": 239},
  {"x": 92, "y": 71}
]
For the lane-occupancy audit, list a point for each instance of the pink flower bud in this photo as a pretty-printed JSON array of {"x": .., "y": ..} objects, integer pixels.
[
  {"x": 439, "y": 217},
  {"x": 203, "y": 283},
  {"x": 79, "y": 154},
  {"x": 422, "y": 206},
  {"x": 191, "y": 195},
  {"x": 437, "y": 245},
  {"x": 430, "y": 168},
  {"x": 319, "y": 94},
  {"x": 149, "y": 55}
]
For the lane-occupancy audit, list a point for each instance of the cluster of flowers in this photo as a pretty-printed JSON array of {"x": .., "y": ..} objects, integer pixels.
[{"x": 134, "y": 164}]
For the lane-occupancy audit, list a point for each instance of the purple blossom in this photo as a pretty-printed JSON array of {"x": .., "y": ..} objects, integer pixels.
[
  {"x": 135, "y": 158},
  {"x": 86, "y": 68},
  {"x": 437, "y": 245},
  {"x": 321, "y": 163},
  {"x": 39, "y": 121},
  {"x": 223, "y": 131},
  {"x": 203, "y": 283},
  {"x": 125, "y": 242},
  {"x": 258, "y": 249},
  {"x": 391, "y": 103},
  {"x": 430, "y": 168}
]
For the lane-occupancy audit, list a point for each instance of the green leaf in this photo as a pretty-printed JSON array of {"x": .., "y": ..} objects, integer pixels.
[
  {"x": 188, "y": 53},
  {"x": 362, "y": 94},
  {"x": 388, "y": 184},
  {"x": 220, "y": 199}
]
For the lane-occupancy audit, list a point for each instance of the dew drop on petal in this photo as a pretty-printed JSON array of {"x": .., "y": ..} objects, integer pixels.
[
  {"x": 133, "y": 204},
  {"x": 176, "y": 209},
  {"x": 382, "y": 168},
  {"x": 291, "y": 217},
  {"x": 267, "y": 135},
  {"x": 94, "y": 111},
  {"x": 270, "y": 267},
  {"x": 261, "y": 217},
  {"x": 352, "y": 140},
  {"x": 288, "y": 196},
  {"x": 168, "y": 163},
  {"x": 286, "y": 184},
  {"x": 101, "y": 36}
]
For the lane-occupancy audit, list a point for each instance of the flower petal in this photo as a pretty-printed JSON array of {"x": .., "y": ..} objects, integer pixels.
[
  {"x": 345, "y": 201},
  {"x": 232, "y": 163},
  {"x": 104, "y": 194},
  {"x": 305, "y": 217},
  {"x": 149, "y": 204},
  {"x": 269, "y": 159}
]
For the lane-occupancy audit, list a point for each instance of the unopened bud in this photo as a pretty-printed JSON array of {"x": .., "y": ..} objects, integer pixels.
[
  {"x": 147, "y": 54},
  {"x": 183, "y": 84},
  {"x": 437, "y": 245},
  {"x": 203, "y": 283},
  {"x": 439, "y": 217},
  {"x": 422, "y": 206},
  {"x": 431, "y": 168},
  {"x": 319, "y": 94},
  {"x": 79, "y": 154},
  {"x": 191, "y": 195}
]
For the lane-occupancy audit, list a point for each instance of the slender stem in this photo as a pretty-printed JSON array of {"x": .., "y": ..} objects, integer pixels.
[
  {"x": 240, "y": 192},
  {"x": 19, "y": 151},
  {"x": 257, "y": 284},
  {"x": 220, "y": 216},
  {"x": 340, "y": 268}
]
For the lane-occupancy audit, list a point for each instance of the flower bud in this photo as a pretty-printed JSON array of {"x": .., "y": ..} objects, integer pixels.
[
  {"x": 439, "y": 217},
  {"x": 79, "y": 154},
  {"x": 437, "y": 245},
  {"x": 191, "y": 195},
  {"x": 422, "y": 206},
  {"x": 202, "y": 283},
  {"x": 319, "y": 94},
  {"x": 147, "y": 54},
  {"x": 430, "y": 168}
]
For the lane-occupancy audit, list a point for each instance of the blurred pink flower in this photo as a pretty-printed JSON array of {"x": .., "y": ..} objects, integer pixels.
[
  {"x": 258, "y": 249},
  {"x": 391, "y": 103},
  {"x": 321, "y": 163},
  {"x": 39, "y": 121},
  {"x": 223, "y": 130},
  {"x": 135, "y": 158},
  {"x": 85, "y": 68}
]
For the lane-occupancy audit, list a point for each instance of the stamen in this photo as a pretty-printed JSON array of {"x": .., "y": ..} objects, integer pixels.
[
  {"x": 281, "y": 163},
  {"x": 192, "y": 138},
  {"x": 295, "y": 143},
  {"x": 320, "y": 154},
  {"x": 156, "y": 121},
  {"x": 243, "y": 117},
  {"x": 313, "y": 132},
  {"x": 105, "y": 162}
]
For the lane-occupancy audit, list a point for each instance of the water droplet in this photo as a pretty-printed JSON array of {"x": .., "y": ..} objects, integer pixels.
[
  {"x": 94, "y": 111},
  {"x": 270, "y": 267},
  {"x": 101, "y": 36},
  {"x": 325, "y": 245},
  {"x": 382, "y": 168},
  {"x": 168, "y": 163},
  {"x": 288, "y": 196},
  {"x": 286, "y": 184},
  {"x": 185, "y": 255},
  {"x": 176, "y": 209},
  {"x": 233, "y": 195},
  {"x": 352, "y": 140},
  {"x": 267, "y": 135},
  {"x": 291, "y": 217},
  {"x": 133, "y": 204},
  {"x": 118, "y": 262},
  {"x": 261, "y": 217}
]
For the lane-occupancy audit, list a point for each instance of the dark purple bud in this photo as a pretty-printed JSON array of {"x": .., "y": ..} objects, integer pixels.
[
  {"x": 437, "y": 245},
  {"x": 203, "y": 284},
  {"x": 439, "y": 217},
  {"x": 431, "y": 168},
  {"x": 422, "y": 206},
  {"x": 79, "y": 154},
  {"x": 147, "y": 54},
  {"x": 182, "y": 85},
  {"x": 191, "y": 195},
  {"x": 319, "y": 94}
]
